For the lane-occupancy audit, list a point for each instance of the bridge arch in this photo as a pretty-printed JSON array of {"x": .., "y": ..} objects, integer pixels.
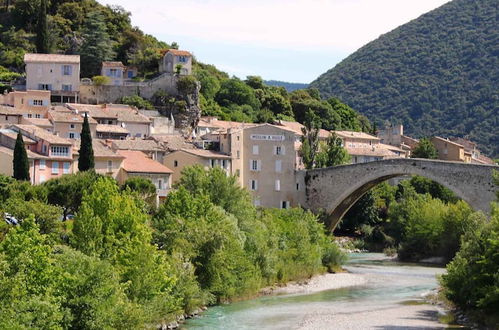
[{"x": 336, "y": 189}]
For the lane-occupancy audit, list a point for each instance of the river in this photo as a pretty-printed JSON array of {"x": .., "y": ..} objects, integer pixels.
[{"x": 390, "y": 299}]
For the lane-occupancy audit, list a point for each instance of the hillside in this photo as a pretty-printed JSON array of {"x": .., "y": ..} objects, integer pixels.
[
  {"x": 288, "y": 85},
  {"x": 438, "y": 75}
]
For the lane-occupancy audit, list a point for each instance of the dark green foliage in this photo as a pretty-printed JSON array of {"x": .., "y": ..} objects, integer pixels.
[
  {"x": 363, "y": 212},
  {"x": 472, "y": 279},
  {"x": 96, "y": 46},
  {"x": 86, "y": 153},
  {"x": 236, "y": 92},
  {"x": 137, "y": 101},
  {"x": 425, "y": 149},
  {"x": 332, "y": 153},
  {"x": 436, "y": 75},
  {"x": 46, "y": 216},
  {"x": 187, "y": 85},
  {"x": 42, "y": 33},
  {"x": 290, "y": 87},
  {"x": 20, "y": 161},
  {"x": 426, "y": 186}
]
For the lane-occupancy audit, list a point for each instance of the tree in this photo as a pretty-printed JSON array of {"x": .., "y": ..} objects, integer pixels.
[
  {"x": 187, "y": 85},
  {"x": 97, "y": 45},
  {"x": 42, "y": 35},
  {"x": 425, "y": 149},
  {"x": 101, "y": 80},
  {"x": 137, "y": 101},
  {"x": 332, "y": 153},
  {"x": 20, "y": 162},
  {"x": 310, "y": 140},
  {"x": 86, "y": 157}
]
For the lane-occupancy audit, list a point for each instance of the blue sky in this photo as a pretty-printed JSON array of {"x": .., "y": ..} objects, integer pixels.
[{"x": 290, "y": 40}]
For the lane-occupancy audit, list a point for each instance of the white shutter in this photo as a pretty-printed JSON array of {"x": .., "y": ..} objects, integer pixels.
[
  {"x": 278, "y": 166},
  {"x": 255, "y": 150},
  {"x": 277, "y": 185},
  {"x": 259, "y": 165}
]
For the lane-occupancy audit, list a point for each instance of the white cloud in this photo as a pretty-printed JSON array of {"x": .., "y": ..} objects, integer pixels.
[{"x": 343, "y": 25}]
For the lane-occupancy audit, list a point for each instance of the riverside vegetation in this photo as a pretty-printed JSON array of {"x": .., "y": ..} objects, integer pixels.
[{"x": 123, "y": 264}]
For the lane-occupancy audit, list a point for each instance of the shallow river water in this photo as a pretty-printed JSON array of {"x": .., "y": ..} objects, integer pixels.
[{"x": 391, "y": 299}]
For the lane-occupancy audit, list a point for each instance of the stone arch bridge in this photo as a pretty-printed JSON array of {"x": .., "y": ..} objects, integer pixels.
[{"x": 336, "y": 189}]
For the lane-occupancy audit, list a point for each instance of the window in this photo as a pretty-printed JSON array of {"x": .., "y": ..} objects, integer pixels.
[
  {"x": 42, "y": 164},
  {"x": 38, "y": 115},
  {"x": 30, "y": 115},
  {"x": 45, "y": 87},
  {"x": 237, "y": 138},
  {"x": 297, "y": 186},
  {"x": 71, "y": 135},
  {"x": 130, "y": 74},
  {"x": 278, "y": 166},
  {"x": 67, "y": 70},
  {"x": 37, "y": 102},
  {"x": 160, "y": 184},
  {"x": 66, "y": 167},
  {"x": 72, "y": 126},
  {"x": 55, "y": 167},
  {"x": 175, "y": 163},
  {"x": 44, "y": 149},
  {"x": 253, "y": 185},
  {"x": 277, "y": 185},
  {"x": 182, "y": 59},
  {"x": 67, "y": 88},
  {"x": 59, "y": 151},
  {"x": 278, "y": 150},
  {"x": 255, "y": 150},
  {"x": 224, "y": 163},
  {"x": 255, "y": 165},
  {"x": 285, "y": 205},
  {"x": 113, "y": 72},
  {"x": 238, "y": 154},
  {"x": 109, "y": 166}
]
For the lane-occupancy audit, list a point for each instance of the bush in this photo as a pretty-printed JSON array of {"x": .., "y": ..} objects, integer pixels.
[
  {"x": 187, "y": 85},
  {"x": 101, "y": 80},
  {"x": 137, "y": 101}
]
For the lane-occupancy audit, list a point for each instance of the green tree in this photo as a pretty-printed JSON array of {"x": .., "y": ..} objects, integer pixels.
[
  {"x": 42, "y": 33},
  {"x": 46, "y": 216},
  {"x": 138, "y": 102},
  {"x": 20, "y": 161},
  {"x": 187, "y": 85},
  {"x": 333, "y": 153},
  {"x": 101, "y": 80},
  {"x": 310, "y": 140},
  {"x": 425, "y": 149},
  {"x": 235, "y": 91},
  {"x": 86, "y": 154},
  {"x": 97, "y": 46}
]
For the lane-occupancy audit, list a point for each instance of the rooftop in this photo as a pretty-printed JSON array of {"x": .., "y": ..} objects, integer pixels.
[
  {"x": 13, "y": 135},
  {"x": 41, "y": 122},
  {"x": 173, "y": 142},
  {"x": 111, "y": 129},
  {"x": 297, "y": 128},
  {"x": 138, "y": 162},
  {"x": 113, "y": 64},
  {"x": 101, "y": 150},
  {"x": 355, "y": 135},
  {"x": 69, "y": 117},
  {"x": 52, "y": 58},
  {"x": 10, "y": 111},
  {"x": 447, "y": 141},
  {"x": 177, "y": 52},
  {"x": 206, "y": 153},
  {"x": 41, "y": 133},
  {"x": 137, "y": 144},
  {"x": 31, "y": 154}
]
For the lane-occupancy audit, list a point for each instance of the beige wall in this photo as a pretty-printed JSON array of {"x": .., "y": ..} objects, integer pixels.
[
  {"x": 63, "y": 129},
  {"x": 252, "y": 141},
  {"x": 117, "y": 78},
  {"x": 170, "y": 61},
  {"x": 52, "y": 73},
  {"x": 138, "y": 129},
  {"x": 10, "y": 119},
  {"x": 448, "y": 150},
  {"x": 29, "y": 100}
]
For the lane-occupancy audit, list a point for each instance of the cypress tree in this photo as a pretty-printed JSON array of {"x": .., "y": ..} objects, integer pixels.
[
  {"x": 86, "y": 158},
  {"x": 20, "y": 162},
  {"x": 42, "y": 34}
]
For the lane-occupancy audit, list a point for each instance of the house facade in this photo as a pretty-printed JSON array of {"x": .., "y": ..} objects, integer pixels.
[
  {"x": 448, "y": 150},
  {"x": 115, "y": 71},
  {"x": 174, "y": 58},
  {"x": 57, "y": 73}
]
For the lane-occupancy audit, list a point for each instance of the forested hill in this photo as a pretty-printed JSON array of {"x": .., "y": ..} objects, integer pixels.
[
  {"x": 288, "y": 85},
  {"x": 438, "y": 74}
]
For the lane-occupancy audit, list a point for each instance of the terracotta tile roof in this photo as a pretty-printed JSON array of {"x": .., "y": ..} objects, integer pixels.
[
  {"x": 40, "y": 122},
  {"x": 212, "y": 122},
  {"x": 447, "y": 141},
  {"x": 137, "y": 144},
  {"x": 94, "y": 111},
  {"x": 113, "y": 64},
  {"x": 69, "y": 117},
  {"x": 10, "y": 111},
  {"x": 483, "y": 160},
  {"x": 206, "y": 153},
  {"x": 173, "y": 142},
  {"x": 355, "y": 135},
  {"x": 178, "y": 52},
  {"x": 31, "y": 154},
  {"x": 138, "y": 162},
  {"x": 297, "y": 128},
  {"x": 13, "y": 135},
  {"x": 127, "y": 114},
  {"x": 102, "y": 150},
  {"x": 38, "y": 132},
  {"x": 372, "y": 151},
  {"x": 111, "y": 129},
  {"x": 52, "y": 58}
]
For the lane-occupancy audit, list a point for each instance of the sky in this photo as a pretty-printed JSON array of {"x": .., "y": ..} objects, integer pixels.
[{"x": 288, "y": 40}]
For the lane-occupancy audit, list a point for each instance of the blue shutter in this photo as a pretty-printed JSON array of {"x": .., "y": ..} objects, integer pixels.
[
  {"x": 45, "y": 102},
  {"x": 70, "y": 70}
]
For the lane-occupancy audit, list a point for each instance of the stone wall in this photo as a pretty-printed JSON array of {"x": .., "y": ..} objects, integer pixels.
[{"x": 91, "y": 94}]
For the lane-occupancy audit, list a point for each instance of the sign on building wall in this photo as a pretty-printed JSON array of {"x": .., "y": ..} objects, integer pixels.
[{"x": 264, "y": 137}]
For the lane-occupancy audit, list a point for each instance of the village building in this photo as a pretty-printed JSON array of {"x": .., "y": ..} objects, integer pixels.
[
  {"x": 52, "y": 155},
  {"x": 115, "y": 71},
  {"x": 152, "y": 148},
  {"x": 31, "y": 103},
  {"x": 394, "y": 135},
  {"x": 69, "y": 124},
  {"x": 106, "y": 161},
  {"x": 179, "y": 159},
  {"x": 137, "y": 164},
  {"x": 448, "y": 150},
  {"x": 57, "y": 73},
  {"x": 174, "y": 58},
  {"x": 9, "y": 115},
  {"x": 111, "y": 132}
]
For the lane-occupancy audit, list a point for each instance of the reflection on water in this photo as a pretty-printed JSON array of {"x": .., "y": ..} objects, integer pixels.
[{"x": 389, "y": 283}]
